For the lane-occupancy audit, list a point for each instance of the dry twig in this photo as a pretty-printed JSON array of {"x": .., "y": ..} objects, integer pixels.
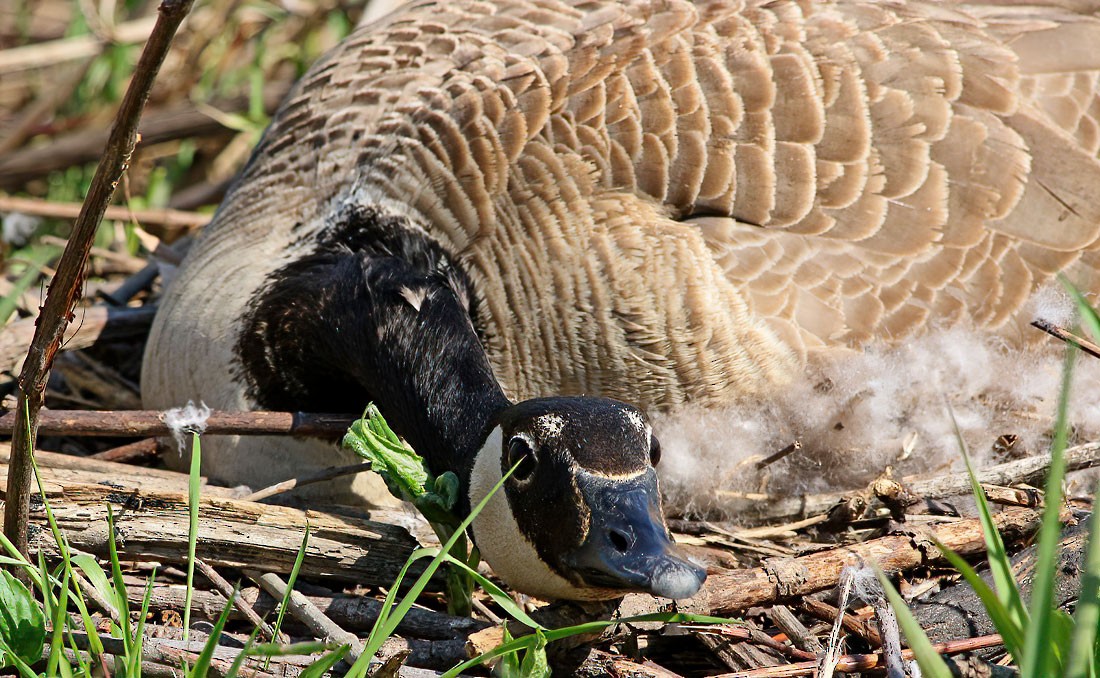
[
  {"x": 1068, "y": 337},
  {"x": 306, "y": 612},
  {"x": 149, "y": 423},
  {"x": 64, "y": 291},
  {"x": 1029, "y": 471},
  {"x": 65, "y": 210},
  {"x": 319, "y": 477},
  {"x": 852, "y": 663},
  {"x": 226, "y": 589}
]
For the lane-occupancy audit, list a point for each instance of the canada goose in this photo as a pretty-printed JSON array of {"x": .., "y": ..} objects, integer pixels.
[{"x": 469, "y": 204}]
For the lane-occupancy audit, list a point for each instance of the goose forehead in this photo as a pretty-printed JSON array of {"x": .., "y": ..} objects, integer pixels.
[{"x": 593, "y": 434}]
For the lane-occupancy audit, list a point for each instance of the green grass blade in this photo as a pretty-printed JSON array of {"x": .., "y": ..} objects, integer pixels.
[
  {"x": 194, "y": 491},
  {"x": 930, "y": 662},
  {"x": 60, "y": 621},
  {"x": 1000, "y": 566},
  {"x": 531, "y": 640},
  {"x": 1011, "y": 633},
  {"x": 122, "y": 603},
  {"x": 139, "y": 632},
  {"x": 1083, "y": 647},
  {"x": 303, "y": 648},
  {"x": 496, "y": 593},
  {"x": 94, "y": 641},
  {"x": 290, "y": 585},
  {"x": 95, "y": 574},
  {"x": 202, "y": 664},
  {"x": 359, "y": 668},
  {"x": 321, "y": 667},
  {"x": 1038, "y": 660},
  {"x": 242, "y": 656},
  {"x": 391, "y": 595},
  {"x": 1089, "y": 319},
  {"x": 44, "y": 589},
  {"x": 15, "y": 558}
]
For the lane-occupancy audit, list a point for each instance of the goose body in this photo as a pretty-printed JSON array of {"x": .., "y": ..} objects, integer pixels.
[{"x": 657, "y": 202}]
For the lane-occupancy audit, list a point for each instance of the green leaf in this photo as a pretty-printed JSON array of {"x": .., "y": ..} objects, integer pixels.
[
  {"x": 535, "y": 663},
  {"x": 95, "y": 574},
  {"x": 387, "y": 619},
  {"x": 408, "y": 478},
  {"x": 402, "y": 469},
  {"x": 22, "y": 625},
  {"x": 930, "y": 662},
  {"x": 6, "y": 654},
  {"x": 509, "y": 663}
]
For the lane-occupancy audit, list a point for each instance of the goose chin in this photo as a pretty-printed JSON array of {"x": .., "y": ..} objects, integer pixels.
[{"x": 628, "y": 547}]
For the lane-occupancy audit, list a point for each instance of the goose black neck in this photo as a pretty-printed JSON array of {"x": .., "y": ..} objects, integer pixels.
[{"x": 378, "y": 311}]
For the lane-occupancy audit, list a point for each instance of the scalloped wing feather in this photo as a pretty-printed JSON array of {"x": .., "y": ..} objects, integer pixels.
[{"x": 666, "y": 201}]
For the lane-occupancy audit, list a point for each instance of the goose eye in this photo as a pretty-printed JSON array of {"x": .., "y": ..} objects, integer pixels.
[
  {"x": 520, "y": 451},
  {"x": 654, "y": 450}
]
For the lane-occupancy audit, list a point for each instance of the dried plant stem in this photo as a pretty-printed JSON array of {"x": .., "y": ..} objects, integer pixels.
[
  {"x": 1068, "y": 337},
  {"x": 852, "y": 663},
  {"x": 1030, "y": 471},
  {"x": 65, "y": 289},
  {"x": 226, "y": 589},
  {"x": 78, "y": 47},
  {"x": 66, "y": 210},
  {"x": 148, "y": 423},
  {"x": 732, "y": 591},
  {"x": 305, "y": 611},
  {"x": 319, "y": 477}
]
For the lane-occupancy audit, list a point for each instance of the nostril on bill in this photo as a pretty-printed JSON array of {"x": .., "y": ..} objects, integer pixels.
[{"x": 620, "y": 540}]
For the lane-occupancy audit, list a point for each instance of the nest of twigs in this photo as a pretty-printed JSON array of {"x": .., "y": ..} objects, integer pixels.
[{"x": 64, "y": 66}]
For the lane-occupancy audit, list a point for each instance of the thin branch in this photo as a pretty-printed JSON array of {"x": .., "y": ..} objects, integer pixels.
[
  {"x": 851, "y": 663},
  {"x": 789, "y": 449},
  {"x": 78, "y": 47},
  {"x": 68, "y": 210},
  {"x": 1030, "y": 471},
  {"x": 226, "y": 589},
  {"x": 319, "y": 477},
  {"x": 149, "y": 423},
  {"x": 303, "y": 609},
  {"x": 1068, "y": 337},
  {"x": 65, "y": 289}
]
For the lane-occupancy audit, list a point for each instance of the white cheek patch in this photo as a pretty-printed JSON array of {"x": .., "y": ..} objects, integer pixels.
[{"x": 502, "y": 543}]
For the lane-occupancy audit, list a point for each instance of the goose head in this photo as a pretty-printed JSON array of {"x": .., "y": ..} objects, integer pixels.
[{"x": 580, "y": 516}]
